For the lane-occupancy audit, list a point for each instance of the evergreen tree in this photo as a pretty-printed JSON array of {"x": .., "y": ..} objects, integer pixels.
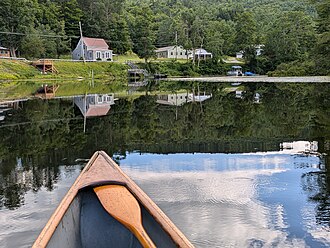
[
  {"x": 142, "y": 32},
  {"x": 292, "y": 38},
  {"x": 322, "y": 48},
  {"x": 71, "y": 15},
  {"x": 246, "y": 36},
  {"x": 32, "y": 45},
  {"x": 16, "y": 16}
]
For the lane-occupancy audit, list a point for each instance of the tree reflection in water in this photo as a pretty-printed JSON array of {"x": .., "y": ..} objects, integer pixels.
[
  {"x": 317, "y": 187},
  {"x": 42, "y": 135}
]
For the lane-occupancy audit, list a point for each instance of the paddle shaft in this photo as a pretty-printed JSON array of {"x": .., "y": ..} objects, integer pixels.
[{"x": 123, "y": 206}]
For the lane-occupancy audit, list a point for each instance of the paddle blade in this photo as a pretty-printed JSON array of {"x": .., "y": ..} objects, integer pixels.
[{"x": 123, "y": 206}]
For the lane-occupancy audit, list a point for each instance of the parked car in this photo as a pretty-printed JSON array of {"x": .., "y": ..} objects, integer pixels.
[{"x": 248, "y": 73}]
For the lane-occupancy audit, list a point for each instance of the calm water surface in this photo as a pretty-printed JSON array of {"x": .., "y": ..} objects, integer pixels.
[{"x": 220, "y": 168}]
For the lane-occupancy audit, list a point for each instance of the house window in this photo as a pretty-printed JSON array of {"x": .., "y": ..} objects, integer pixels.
[
  {"x": 98, "y": 55},
  {"x": 171, "y": 53},
  {"x": 102, "y": 55},
  {"x": 99, "y": 99},
  {"x": 107, "y": 55},
  {"x": 180, "y": 53}
]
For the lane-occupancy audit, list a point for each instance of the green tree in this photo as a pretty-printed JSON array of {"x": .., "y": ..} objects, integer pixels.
[
  {"x": 246, "y": 35},
  {"x": 71, "y": 15},
  {"x": 107, "y": 19},
  {"x": 62, "y": 41},
  {"x": 16, "y": 17},
  {"x": 292, "y": 38},
  {"x": 220, "y": 37},
  {"x": 142, "y": 32},
  {"x": 32, "y": 45},
  {"x": 322, "y": 48}
]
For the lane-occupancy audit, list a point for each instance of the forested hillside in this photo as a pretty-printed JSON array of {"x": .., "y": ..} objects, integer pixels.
[{"x": 295, "y": 33}]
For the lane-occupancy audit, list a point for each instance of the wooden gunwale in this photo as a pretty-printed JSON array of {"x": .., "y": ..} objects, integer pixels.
[{"x": 101, "y": 170}]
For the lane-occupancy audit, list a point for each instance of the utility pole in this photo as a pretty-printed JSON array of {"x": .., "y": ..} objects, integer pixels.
[
  {"x": 176, "y": 45},
  {"x": 82, "y": 43},
  {"x": 199, "y": 54}
]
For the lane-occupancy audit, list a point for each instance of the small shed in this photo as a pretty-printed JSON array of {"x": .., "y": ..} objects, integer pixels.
[{"x": 4, "y": 52}]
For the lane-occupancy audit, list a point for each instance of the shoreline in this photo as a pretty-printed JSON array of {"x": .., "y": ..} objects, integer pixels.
[{"x": 253, "y": 79}]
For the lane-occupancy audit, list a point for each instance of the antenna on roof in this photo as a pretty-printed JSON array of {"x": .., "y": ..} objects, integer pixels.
[{"x": 82, "y": 43}]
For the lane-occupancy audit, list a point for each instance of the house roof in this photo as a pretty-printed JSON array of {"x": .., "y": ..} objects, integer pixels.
[
  {"x": 201, "y": 51},
  {"x": 97, "y": 110},
  {"x": 95, "y": 43},
  {"x": 163, "y": 49},
  {"x": 3, "y": 48}
]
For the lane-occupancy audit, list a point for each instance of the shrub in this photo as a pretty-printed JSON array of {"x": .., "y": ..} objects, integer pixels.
[{"x": 295, "y": 68}]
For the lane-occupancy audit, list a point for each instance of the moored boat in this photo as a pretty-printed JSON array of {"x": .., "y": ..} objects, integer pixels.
[{"x": 105, "y": 208}]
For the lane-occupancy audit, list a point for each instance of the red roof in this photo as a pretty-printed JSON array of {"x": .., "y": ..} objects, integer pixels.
[
  {"x": 95, "y": 43},
  {"x": 97, "y": 110}
]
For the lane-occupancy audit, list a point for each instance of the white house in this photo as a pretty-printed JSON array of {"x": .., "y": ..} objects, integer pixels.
[
  {"x": 239, "y": 55},
  {"x": 92, "y": 49},
  {"x": 300, "y": 147},
  {"x": 94, "y": 104},
  {"x": 173, "y": 99},
  {"x": 201, "y": 54},
  {"x": 258, "y": 51},
  {"x": 179, "y": 99},
  {"x": 172, "y": 52}
]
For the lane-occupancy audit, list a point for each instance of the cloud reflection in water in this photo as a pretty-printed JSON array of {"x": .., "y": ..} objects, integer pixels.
[{"x": 214, "y": 198}]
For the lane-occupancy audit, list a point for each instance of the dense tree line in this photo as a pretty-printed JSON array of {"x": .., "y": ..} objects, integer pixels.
[{"x": 291, "y": 31}]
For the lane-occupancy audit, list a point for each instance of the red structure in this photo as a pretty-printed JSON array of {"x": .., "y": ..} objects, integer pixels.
[{"x": 4, "y": 52}]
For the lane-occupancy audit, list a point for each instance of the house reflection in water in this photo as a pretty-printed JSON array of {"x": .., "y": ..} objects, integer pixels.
[
  {"x": 179, "y": 99},
  {"x": 94, "y": 104},
  {"x": 302, "y": 147}
]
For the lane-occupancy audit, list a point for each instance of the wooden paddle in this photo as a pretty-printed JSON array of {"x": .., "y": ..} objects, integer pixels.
[{"x": 123, "y": 206}]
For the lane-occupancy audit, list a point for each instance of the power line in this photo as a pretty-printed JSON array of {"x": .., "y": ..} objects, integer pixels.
[
  {"x": 41, "y": 35},
  {"x": 77, "y": 37}
]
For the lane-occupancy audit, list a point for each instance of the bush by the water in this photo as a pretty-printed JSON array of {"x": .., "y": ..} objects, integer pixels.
[
  {"x": 295, "y": 68},
  {"x": 187, "y": 68}
]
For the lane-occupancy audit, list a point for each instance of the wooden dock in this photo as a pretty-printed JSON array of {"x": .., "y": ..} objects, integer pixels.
[
  {"x": 255, "y": 79},
  {"x": 45, "y": 66},
  {"x": 46, "y": 92},
  {"x": 137, "y": 73}
]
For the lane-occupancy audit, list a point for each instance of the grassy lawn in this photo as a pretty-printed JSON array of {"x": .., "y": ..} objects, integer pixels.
[
  {"x": 12, "y": 70},
  {"x": 25, "y": 89},
  {"x": 122, "y": 58}
]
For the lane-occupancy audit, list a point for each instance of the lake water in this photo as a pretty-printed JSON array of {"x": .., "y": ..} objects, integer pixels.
[{"x": 240, "y": 165}]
